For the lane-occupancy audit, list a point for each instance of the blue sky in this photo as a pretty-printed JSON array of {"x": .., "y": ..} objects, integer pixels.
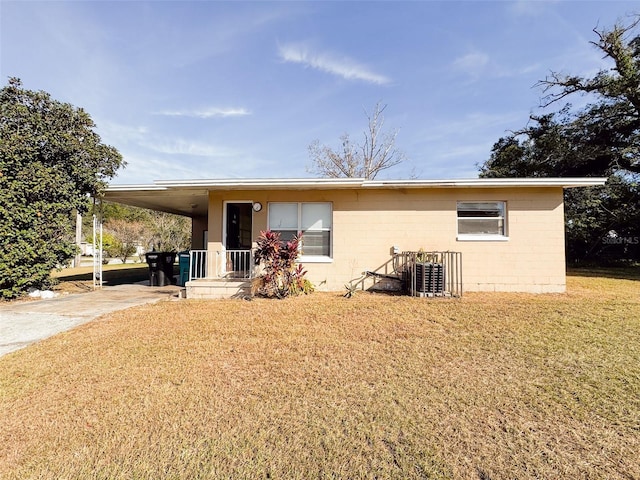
[{"x": 206, "y": 89}]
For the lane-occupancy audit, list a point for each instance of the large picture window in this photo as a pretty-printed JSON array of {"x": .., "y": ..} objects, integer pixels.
[
  {"x": 482, "y": 220},
  {"x": 312, "y": 220}
]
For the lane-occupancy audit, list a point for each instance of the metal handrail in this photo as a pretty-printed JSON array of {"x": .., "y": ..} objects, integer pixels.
[
  {"x": 226, "y": 264},
  {"x": 198, "y": 264},
  {"x": 238, "y": 263}
]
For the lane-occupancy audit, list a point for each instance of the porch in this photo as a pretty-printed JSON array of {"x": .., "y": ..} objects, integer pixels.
[{"x": 220, "y": 274}]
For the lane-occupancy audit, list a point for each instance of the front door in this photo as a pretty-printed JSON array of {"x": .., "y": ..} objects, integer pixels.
[
  {"x": 238, "y": 230},
  {"x": 239, "y": 226}
]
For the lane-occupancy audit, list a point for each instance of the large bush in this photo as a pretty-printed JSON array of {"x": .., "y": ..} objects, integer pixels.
[{"x": 51, "y": 160}]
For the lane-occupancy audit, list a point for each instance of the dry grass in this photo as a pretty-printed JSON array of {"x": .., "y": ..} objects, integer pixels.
[{"x": 490, "y": 386}]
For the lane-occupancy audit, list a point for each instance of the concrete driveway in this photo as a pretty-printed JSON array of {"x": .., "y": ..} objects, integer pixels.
[{"x": 22, "y": 323}]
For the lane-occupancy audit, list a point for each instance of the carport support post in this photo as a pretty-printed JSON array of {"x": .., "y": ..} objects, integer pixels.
[
  {"x": 78, "y": 260},
  {"x": 97, "y": 254}
]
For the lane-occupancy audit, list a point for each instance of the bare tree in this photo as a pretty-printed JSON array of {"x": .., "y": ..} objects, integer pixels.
[
  {"x": 127, "y": 236},
  {"x": 376, "y": 153},
  {"x": 170, "y": 232}
]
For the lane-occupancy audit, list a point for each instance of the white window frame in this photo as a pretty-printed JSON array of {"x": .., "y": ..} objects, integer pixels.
[
  {"x": 308, "y": 258},
  {"x": 483, "y": 237}
]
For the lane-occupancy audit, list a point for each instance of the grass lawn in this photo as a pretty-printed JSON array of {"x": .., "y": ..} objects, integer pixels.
[{"x": 488, "y": 386}]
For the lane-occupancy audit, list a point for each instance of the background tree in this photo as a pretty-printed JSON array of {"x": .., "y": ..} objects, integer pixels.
[
  {"x": 160, "y": 230},
  {"x": 107, "y": 211},
  {"x": 127, "y": 236},
  {"x": 51, "y": 159},
  {"x": 117, "y": 211},
  {"x": 170, "y": 233},
  {"x": 376, "y": 153},
  {"x": 109, "y": 245},
  {"x": 601, "y": 139},
  {"x": 130, "y": 227}
]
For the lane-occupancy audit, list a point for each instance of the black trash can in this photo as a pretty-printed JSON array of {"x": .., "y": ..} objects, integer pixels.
[
  {"x": 167, "y": 261},
  {"x": 161, "y": 268},
  {"x": 156, "y": 272}
]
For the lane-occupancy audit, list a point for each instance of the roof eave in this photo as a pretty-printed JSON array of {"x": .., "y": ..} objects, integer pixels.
[
  {"x": 351, "y": 183},
  {"x": 263, "y": 183},
  {"x": 488, "y": 183}
]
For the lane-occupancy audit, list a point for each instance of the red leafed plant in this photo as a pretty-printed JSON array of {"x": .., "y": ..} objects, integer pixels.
[{"x": 281, "y": 276}]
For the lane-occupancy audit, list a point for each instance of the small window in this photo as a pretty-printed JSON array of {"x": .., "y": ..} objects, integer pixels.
[
  {"x": 312, "y": 220},
  {"x": 482, "y": 221}
]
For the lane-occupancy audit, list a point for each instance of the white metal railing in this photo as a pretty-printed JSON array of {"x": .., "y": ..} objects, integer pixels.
[
  {"x": 227, "y": 264},
  {"x": 197, "y": 264},
  {"x": 237, "y": 264}
]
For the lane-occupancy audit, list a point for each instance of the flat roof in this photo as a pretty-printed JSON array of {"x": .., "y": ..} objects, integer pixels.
[
  {"x": 190, "y": 197},
  {"x": 278, "y": 183}
]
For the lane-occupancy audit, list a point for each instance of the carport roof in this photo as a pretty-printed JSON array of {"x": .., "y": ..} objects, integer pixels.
[{"x": 190, "y": 197}]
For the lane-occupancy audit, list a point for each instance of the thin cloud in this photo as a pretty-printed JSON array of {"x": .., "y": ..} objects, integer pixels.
[
  {"x": 479, "y": 64},
  {"x": 474, "y": 150},
  {"x": 527, "y": 8},
  {"x": 473, "y": 124},
  {"x": 140, "y": 164},
  {"x": 472, "y": 63},
  {"x": 343, "y": 67},
  {"x": 206, "y": 113},
  {"x": 121, "y": 132},
  {"x": 184, "y": 147}
]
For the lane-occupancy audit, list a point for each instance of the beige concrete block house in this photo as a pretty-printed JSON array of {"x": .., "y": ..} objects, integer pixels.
[{"x": 508, "y": 234}]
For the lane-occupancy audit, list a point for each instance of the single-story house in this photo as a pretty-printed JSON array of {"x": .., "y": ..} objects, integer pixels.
[{"x": 509, "y": 233}]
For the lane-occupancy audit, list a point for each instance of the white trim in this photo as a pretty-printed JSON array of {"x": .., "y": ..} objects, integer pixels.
[
  {"x": 314, "y": 259},
  {"x": 488, "y": 183},
  {"x": 481, "y": 238},
  {"x": 134, "y": 188},
  {"x": 262, "y": 183},
  {"x": 355, "y": 183}
]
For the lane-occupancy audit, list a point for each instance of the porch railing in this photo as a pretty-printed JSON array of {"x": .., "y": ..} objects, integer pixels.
[
  {"x": 227, "y": 264},
  {"x": 237, "y": 264},
  {"x": 198, "y": 264}
]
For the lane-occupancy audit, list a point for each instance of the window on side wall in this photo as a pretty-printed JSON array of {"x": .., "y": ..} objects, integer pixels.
[
  {"x": 482, "y": 221},
  {"x": 313, "y": 220}
]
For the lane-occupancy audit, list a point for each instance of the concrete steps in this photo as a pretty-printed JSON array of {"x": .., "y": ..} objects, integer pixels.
[{"x": 213, "y": 288}]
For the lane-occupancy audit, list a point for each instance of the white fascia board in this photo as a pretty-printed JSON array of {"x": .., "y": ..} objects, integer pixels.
[
  {"x": 488, "y": 183},
  {"x": 355, "y": 183},
  {"x": 264, "y": 183},
  {"x": 134, "y": 188}
]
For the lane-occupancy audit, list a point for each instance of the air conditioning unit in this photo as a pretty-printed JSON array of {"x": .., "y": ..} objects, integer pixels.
[{"x": 429, "y": 279}]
